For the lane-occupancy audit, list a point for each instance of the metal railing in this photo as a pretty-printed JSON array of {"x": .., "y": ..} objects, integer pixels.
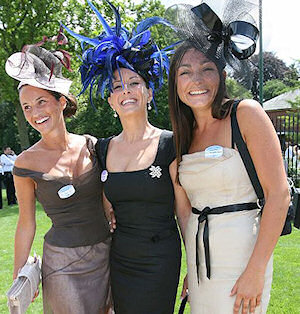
[{"x": 287, "y": 128}]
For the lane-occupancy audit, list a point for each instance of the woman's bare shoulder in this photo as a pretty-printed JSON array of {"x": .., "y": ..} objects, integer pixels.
[
  {"x": 249, "y": 106},
  {"x": 250, "y": 112},
  {"x": 27, "y": 158}
]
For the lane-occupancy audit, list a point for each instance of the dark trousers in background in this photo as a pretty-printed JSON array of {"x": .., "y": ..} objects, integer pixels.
[
  {"x": 10, "y": 188},
  {"x": 1, "y": 180}
]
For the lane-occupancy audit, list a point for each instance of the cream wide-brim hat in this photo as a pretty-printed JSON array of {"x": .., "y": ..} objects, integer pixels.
[{"x": 30, "y": 69}]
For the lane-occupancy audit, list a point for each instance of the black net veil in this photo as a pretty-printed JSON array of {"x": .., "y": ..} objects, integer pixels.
[{"x": 224, "y": 31}]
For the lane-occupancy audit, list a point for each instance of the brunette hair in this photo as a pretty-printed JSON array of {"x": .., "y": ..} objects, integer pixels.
[
  {"x": 71, "y": 106},
  {"x": 182, "y": 117}
]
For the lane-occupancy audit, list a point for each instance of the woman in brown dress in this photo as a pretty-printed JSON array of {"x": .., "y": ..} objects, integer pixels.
[{"x": 61, "y": 171}]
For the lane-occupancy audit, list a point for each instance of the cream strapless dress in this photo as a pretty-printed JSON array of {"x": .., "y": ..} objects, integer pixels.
[{"x": 218, "y": 182}]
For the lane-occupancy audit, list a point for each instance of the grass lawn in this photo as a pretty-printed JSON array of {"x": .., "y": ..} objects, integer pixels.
[{"x": 285, "y": 297}]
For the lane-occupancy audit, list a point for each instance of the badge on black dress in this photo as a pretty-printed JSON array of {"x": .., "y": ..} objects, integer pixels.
[{"x": 104, "y": 175}]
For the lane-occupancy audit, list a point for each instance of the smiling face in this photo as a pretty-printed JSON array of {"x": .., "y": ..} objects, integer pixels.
[
  {"x": 129, "y": 95},
  {"x": 41, "y": 109},
  {"x": 197, "y": 80}
]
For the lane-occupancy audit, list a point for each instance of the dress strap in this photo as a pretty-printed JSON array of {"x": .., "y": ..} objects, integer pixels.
[
  {"x": 166, "y": 149},
  {"x": 237, "y": 139},
  {"x": 90, "y": 144},
  {"x": 233, "y": 117},
  {"x": 27, "y": 173},
  {"x": 101, "y": 148}
]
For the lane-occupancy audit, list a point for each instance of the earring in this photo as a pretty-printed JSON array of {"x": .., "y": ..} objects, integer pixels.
[
  {"x": 115, "y": 114},
  {"x": 149, "y": 106}
]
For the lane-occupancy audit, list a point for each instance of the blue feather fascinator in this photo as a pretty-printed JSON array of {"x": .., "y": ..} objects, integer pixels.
[{"x": 117, "y": 48}]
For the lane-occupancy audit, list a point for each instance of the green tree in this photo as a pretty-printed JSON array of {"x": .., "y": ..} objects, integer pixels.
[
  {"x": 23, "y": 22},
  {"x": 236, "y": 90},
  {"x": 278, "y": 77},
  {"x": 274, "y": 68},
  {"x": 8, "y": 126},
  {"x": 274, "y": 88},
  {"x": 296, "y": 103}
]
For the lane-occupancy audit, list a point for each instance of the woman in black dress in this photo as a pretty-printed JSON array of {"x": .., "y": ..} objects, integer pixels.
[
  {"x": 145, "y": 254},
  {"x": 138, "y": 170}
]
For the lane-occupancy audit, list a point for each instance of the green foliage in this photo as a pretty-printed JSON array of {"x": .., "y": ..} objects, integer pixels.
[
  {"x": 236, "y": 90},
  {"x": 8, "y": 124},
  {"x": 296, "y": 103},
  {"x": 26, "y": 22},
  {"x": 99, "y": 122},
  {"x": 275, "y": 70},
  {"x": 21, "y": 23},
  {"x": 162, "y": 35},
  {"x": 161, "y": 119},
  {"x": 274, "y": 88}
]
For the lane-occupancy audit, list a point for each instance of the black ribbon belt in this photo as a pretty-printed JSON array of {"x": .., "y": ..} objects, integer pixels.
[{"x": 203, "y": 214}]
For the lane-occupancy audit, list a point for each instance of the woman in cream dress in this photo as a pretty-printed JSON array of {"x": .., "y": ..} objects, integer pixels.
[
  {"x": 232, "y": 236},
  {"x": 229, "y": 244}
]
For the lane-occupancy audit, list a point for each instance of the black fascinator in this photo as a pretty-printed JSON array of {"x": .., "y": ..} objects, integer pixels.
[{"x": 227, "y": 39}]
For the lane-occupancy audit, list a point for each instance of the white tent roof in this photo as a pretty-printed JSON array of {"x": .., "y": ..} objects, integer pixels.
[{"x": 281, "y": 102}]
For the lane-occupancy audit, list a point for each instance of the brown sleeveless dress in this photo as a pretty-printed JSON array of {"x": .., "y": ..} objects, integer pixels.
[{"x": 75, "y": 268}]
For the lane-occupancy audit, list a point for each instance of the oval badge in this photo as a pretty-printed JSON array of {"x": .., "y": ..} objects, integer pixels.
[
  {"x": 66, "y": 191},
  {"x": 214, "y": 151},
  {"x": 104, "y": 175}
]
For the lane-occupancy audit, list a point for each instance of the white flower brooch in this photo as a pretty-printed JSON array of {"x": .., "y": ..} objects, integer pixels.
[{"x": 155, "y": 172}]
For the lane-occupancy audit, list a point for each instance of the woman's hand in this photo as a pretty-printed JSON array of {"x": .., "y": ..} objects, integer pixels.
[
  {"x": 184, "y": 291},
  {"x": 109, "y": 213},
  {"x": 248, "y": 290},
  {"x": 111, "y": 220},
  {"x": 35, "y": 295}
]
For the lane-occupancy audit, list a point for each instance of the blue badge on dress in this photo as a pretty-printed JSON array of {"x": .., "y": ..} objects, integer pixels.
[
  {"x": 66, "y": 191},
  {"x": 214, "y": 151},
  {"x": 104, "y": 175},
  {"x": 155, "y": 171}
]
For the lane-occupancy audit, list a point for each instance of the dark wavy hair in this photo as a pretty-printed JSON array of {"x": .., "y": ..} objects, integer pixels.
[
  {"x": 71, "y": 106},
  {"x": 182, "y": 117}
]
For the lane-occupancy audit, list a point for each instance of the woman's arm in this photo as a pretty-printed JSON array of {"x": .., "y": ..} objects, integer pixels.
[
  {"x": 264, "y": 148},
  {"x": 182, "y": 211},
  {"x": 182, "y": 204},
  {"x": 26, "y": 223}
]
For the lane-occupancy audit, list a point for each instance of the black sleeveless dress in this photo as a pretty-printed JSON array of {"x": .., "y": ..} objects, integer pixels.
[{"x": 146, "y": 249}]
